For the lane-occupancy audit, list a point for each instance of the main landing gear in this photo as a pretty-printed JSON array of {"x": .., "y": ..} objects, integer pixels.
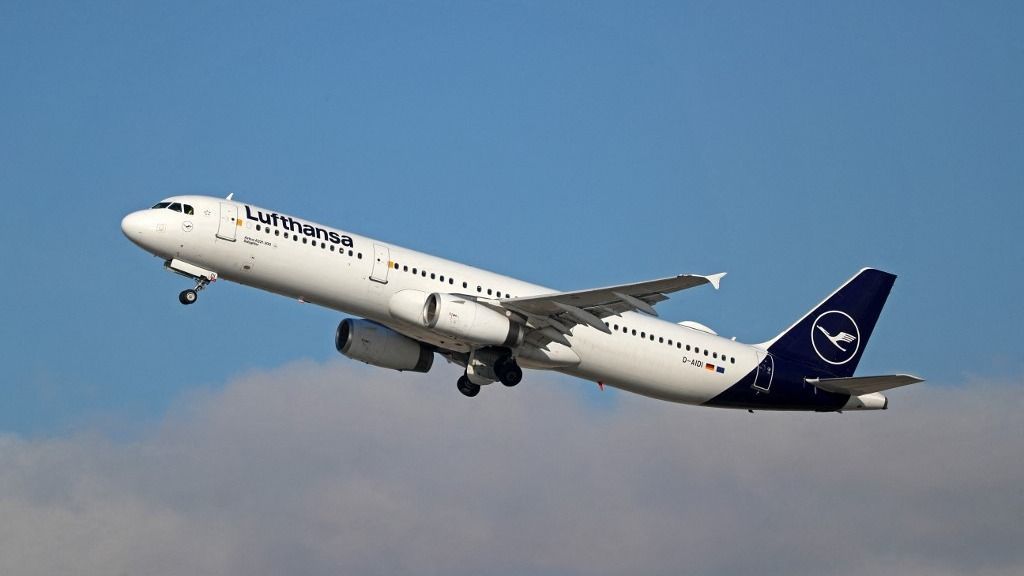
[
  {"x": 508, "y": 371},
  {"x": 505, "y": 370},
  {"x": 466, "y": 387},
  {"x": 192, "y": 294}
]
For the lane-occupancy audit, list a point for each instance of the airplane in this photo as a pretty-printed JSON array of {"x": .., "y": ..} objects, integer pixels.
[{"x": 409, "y": 306}]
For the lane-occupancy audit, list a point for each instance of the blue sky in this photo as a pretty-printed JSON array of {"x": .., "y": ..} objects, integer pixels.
[{"x": 570, "y": 144}]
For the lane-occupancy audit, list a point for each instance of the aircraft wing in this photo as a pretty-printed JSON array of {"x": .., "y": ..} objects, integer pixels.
[
  {"x": 857, "y": 385},
  {"x": 553, "y": 315}
]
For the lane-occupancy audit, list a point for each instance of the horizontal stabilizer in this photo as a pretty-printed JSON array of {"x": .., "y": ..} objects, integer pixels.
[{"x": 857, "y": 385}]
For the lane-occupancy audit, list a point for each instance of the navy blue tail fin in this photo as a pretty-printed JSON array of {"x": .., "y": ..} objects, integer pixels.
[{"x": 831, "y": 338}]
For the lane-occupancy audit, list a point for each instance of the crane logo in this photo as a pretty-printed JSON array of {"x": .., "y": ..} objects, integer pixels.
[{"x": 835, "y": 337}]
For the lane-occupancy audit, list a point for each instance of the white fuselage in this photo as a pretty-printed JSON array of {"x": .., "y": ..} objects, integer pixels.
[{"x": 361, "y": 276}]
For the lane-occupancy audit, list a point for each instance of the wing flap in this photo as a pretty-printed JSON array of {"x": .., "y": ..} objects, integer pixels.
[{"x": 858, "y": 385}]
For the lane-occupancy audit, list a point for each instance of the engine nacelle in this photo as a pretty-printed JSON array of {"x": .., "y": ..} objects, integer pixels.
[
  {"x": 372, "y": 343},
  {"x": 470, "y": 321}
]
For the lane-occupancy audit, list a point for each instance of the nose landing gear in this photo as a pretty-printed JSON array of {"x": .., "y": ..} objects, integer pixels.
[
  {"x": 190, "y": 296},
  {"x": 201, "y": 276}
]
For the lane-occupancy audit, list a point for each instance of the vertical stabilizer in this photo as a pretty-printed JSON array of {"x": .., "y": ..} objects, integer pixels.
[{"x": 831, "y": 338}]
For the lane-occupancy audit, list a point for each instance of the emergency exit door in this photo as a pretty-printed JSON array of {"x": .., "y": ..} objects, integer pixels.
[{"x": 381, "y": 264}]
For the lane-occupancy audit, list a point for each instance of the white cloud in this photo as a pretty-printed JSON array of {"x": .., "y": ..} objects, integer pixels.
[{"x": 341, "y": 468}]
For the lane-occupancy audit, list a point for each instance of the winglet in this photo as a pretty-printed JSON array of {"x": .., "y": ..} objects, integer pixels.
[{"x": 715, "y": 279}]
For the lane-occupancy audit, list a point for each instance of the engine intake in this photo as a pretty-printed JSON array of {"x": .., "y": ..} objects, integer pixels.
[
  {"x": 465, "y": 319},
  {"x": 378, "y": 345}
]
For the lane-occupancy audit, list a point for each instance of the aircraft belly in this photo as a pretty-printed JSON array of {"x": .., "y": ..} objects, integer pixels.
[{"x": 655, "y": 371}]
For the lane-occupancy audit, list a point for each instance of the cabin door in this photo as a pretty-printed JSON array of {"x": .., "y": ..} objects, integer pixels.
[
  {"x": 228, "y": 221},
  {"x": 765, "y": 372}
]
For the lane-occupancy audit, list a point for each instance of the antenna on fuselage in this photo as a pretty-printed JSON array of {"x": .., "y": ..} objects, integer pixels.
[{"x": 229, "y": 196}]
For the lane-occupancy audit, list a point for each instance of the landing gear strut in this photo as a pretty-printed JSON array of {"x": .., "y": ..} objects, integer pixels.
[
  {"x": 192, "y": 294},
  {"x": 466, "y": 387}
]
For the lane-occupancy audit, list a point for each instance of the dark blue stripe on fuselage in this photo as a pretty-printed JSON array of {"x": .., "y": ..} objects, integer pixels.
[{"x": 788, "y": 392}]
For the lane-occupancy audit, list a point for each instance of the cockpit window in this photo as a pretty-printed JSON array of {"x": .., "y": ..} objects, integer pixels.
[
  {"x": 189, "y": 210},
  {"x": 161, "y": 206},
  {"x": 176, "y": 207}
]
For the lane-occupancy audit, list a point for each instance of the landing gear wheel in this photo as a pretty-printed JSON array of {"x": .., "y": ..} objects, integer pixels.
[
  {"x": 509, "y": 373},
  {"x": 466, "y": 387},
  {"x": 192, "y": 294},
  {"x": 188, "y": 296}
]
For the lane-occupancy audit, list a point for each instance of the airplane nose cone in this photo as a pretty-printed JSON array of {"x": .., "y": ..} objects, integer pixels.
[{"x": 131, "y": 225}]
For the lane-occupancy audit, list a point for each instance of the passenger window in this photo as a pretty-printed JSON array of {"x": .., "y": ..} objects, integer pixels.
[
  {"x": 634, "y": 332},
  {"x": 423, "y": 273},
  {"x": 175, "y": 206},
  {"x": 414, "y": 271},
  {"x": 643, "y": 335},
  {"x": 661, "y": 340},
  {"x": 488, "y": 291},
  {"x": 258, "y": 229},
  {"x": 679, "y": 345},
  {"x": 465, "y": 285},
  {"x": 451, "y": 281},
  {"x": 359, "y": 256},
  {"x": 277, "y": 232},
  {"x": 189, "y": 210}
]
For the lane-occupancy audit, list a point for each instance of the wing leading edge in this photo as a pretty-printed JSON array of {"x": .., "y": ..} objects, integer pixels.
[{"x": 552, "y": 316}]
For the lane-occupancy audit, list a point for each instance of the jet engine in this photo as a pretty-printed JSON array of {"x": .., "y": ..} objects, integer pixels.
[
  {"x": 372, "y": 343},
  {"x": 465, "y": 319}
]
